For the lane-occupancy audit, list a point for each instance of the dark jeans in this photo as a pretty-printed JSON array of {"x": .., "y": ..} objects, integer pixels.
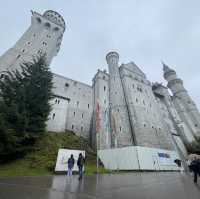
[
  {"x": 80, "y": 172},
  {"x": 195, "y": 177}
]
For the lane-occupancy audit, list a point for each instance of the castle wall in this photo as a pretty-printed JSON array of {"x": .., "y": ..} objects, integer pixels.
[
  {"x": 101, "y": 102},
  {"x": 75, "y": 107},
  {"x": 58, "y": 115},
  {"x": 145, "y": 114}
]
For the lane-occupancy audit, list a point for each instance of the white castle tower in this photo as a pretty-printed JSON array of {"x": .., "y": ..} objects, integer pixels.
[
  {"x": 120, "y": 125},
  {"x": 185, "y": 106},
  {"x": 43, "y": 36}
]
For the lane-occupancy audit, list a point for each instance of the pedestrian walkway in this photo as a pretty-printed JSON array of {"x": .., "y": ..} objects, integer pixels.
[{"x": 117, "y": 186}]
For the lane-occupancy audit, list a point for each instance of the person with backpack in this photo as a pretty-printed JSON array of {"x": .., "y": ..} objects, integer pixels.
[
  {"x": 195, "y": 167},
  {"x": 70, "y": 163},
  {"x": 80, "y": 164}
]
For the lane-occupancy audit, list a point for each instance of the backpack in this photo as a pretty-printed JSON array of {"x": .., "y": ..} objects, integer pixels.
[{"x": 81, "y": 161}]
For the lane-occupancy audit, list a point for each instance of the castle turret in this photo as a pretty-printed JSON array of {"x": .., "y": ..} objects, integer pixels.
[
  {"x": 44, "y": 36},
  {"x": 120, "y": 125},
  {"x": 184, "y": 104}
]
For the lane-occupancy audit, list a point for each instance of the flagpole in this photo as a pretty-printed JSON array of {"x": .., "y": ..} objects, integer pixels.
[
  {"x": 97, "y": 133},
  {"x": 97, "y": 154}
]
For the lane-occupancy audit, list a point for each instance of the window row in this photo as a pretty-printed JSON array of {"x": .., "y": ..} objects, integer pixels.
[
  {"x": 81, "y": 114},
  {"x": 77, "y": 104},
  {"x": 152, "y": 127},
  {"x": 57, "y": 101},
  {"x": 143, "y": 102},
  {"x": 139, "y": 88},
  {"x": 72, "y": 127},
  {"x": 47, "y": 25}
]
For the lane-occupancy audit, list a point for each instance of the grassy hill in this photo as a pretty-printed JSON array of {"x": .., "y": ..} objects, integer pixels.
[{"x": 42, "y": 160}]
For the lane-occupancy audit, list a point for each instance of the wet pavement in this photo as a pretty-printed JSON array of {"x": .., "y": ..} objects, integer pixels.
[{"x": 117, "y": 186}]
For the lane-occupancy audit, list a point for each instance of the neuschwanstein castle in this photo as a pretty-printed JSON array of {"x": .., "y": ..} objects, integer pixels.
[{"x": 122, "y": 105}]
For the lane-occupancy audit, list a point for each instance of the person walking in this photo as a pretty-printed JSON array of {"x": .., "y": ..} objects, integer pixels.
[
  {"x": 195, "y": 167},
  {"x": 80, "y": 164},
  {"x": 70, "y": 163}
]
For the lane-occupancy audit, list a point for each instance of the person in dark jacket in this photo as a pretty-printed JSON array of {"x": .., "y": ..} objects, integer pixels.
[
  {"x": 70, "y": 163},
  {"x": 80, "y": 164},
  {"x": 195, "y": 167}
]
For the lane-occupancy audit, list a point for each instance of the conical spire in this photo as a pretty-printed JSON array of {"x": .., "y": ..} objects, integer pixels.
[{"x": 166, "y": 68}]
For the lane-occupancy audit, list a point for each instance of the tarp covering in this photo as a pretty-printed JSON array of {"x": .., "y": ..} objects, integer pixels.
[{"x": 138, "y": 158}]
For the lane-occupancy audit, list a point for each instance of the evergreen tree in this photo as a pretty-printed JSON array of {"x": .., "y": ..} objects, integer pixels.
[
  {"x": 194, "y": 147},
  {"x": 24, "y": 105}
]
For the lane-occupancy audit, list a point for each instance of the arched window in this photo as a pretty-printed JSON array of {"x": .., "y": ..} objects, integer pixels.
[
  {"x": 38, "y": 20},
  {"x": 53, "y": 116},
  {"x": 104, "y": 88},
  {"x": 66, "y": 85},
  {"x": 44, "y": 43},
  {"x": 47, "y": 25},
  {"x": 18, "y": 56},
  {"x": 56, "y": 29}
]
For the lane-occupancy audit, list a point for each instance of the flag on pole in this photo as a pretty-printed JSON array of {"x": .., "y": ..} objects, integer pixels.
[{"x": 98, "y": 119}]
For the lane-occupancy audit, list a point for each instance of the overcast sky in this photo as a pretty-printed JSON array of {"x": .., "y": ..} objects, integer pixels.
[{"x": 143, "y": 31}]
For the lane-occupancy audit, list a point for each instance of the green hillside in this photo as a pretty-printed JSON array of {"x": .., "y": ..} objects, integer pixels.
[{"x": 42, "y": 160}]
